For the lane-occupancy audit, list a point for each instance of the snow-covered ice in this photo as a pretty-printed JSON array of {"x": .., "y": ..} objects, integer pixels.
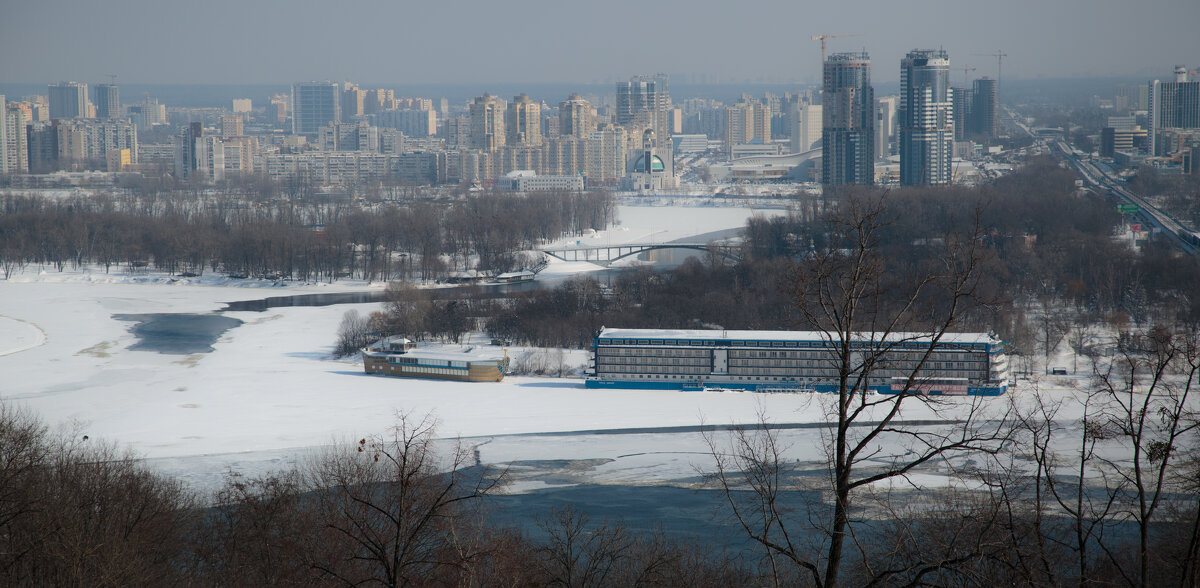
[{"x": 269, "y": 390}]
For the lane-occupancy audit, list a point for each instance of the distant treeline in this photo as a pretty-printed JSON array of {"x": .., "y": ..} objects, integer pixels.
[{"x": 195, "y": 231}]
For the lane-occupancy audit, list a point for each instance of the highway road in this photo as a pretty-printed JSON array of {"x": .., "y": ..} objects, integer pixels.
[{"x": 1105, "y": 183}]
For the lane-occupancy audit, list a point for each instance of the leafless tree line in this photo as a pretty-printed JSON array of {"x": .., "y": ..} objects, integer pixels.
[
  {"x": 389, "y": 509},
  {"x": 244, "y": 235}
]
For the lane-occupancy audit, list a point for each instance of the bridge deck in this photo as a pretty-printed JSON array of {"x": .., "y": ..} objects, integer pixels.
[{"x": 609, "y": 253}]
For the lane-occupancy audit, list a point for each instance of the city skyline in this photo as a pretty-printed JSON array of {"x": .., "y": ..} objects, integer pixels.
[{"x": 584, "y": 44}]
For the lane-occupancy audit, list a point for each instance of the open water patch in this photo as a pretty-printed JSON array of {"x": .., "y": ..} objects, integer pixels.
[{"x": 177, "y": 334}]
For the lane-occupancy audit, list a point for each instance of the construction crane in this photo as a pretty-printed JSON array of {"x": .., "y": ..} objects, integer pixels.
[
  {"x": 999, "y": 55},
  {"x": 824, "y": 35},
  {"x": 967, "y": 74}
]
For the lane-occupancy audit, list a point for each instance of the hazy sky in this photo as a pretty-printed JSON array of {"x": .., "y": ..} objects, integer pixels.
[{"x": 440, "y": 41}]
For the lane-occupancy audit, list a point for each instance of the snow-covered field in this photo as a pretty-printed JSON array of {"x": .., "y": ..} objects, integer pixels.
[{"x": 269, "y": 390}]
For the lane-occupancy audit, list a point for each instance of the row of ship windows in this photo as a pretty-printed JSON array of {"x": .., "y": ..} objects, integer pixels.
[
  {"x": 934, "y": 365},
  {"x": 789, "y": 372},
  {"x": 654, "y": 361},
  {"x": 633, "y": 369},
  {"x": 431, "y": 370},
  {"x": 824, "y": 345},
  {"x": 638, "y": 352},
  {"x": 692, "y": 378},
  {"x": 786, "y": 363},
  {"x": 733, "y": 378},
  {"x": 751, "y": 353}
]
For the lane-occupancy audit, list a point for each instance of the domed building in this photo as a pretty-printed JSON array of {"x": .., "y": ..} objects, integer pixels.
[{"x": 646, "y": 171}]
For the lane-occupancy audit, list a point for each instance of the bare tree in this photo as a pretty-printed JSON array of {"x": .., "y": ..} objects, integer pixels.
[
  {"x": 1058, "y": 513},
  {"x": 1114, "y": 457},
  {"x": 864, "y": 308},
  {"x": 401, "y": 513},
  {"x": 24, "y": 453},
  {"x": 577, "y": 554},
  {"x": 408, "y": 310},
  {"x": 79, "y": 512},
  {"x": 354, "y": 333},
  {"x": 1145, "y": 391},
  {"x": 259, "y": 531}
]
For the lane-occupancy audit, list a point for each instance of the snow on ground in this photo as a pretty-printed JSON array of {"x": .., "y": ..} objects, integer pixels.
[
  {"x": 660, "y": 220},
  {"x": 270, "y": 389},
  {"x": 269, "y": 393},
  {"x": 270, "y": 384},
  {"x": 17, "y": 335}
]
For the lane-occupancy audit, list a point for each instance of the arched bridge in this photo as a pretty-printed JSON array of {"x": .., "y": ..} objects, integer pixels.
[{"x": 607, "y": 254}]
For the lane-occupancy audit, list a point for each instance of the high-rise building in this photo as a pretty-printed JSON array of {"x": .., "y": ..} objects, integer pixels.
[
  {"x": 3, "y": 138},
  {"x": 1114, "y": 139},
  {"x": 353, "y": 102},
  {"x": 412, "y": 122},
  {"x": 81, "y": 143},
  {"x": 806, "y": 126},
  {"x": 187, "y": 147},
  {"x": 606, "y": 156},
  {"x": 983, "y": 111},
  {"x": 231, "y": 126},
  {"x": 1173, "y": 105},
  {"x": 278, "y": 109},
  {"x": 148, "y": 113},
  {"x": 68, "y": 100},
  {"x": 523, "y": 122},
  {"x": 576, "y": 118},
  {"x": 885, "y": 124},
  {"x": 457, "y": 132},
  {"x": 925, "y": 118},
  {"x": 848, "y": 125},
  {"x": 963, "y": 109},
  {"x": 565, "y": 156},
  {"x": 198, "y": 155},
  {"x": 1131, "y": 97},
  {"x": 487, "y": 123},
  {"x": 108, "y": 101},
  {"x": 642, "y": 93},
  {"x": 747, "y": 121},
  {"x": 314, "y": 105},
  {"x": 353, "y": 136},
  {"x": 378, "y": 99},
  {"x": 242, "y": 105},
  {"x": 15, "y": 137}
]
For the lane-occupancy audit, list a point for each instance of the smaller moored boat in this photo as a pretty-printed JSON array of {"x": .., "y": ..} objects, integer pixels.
[
  {"x": 513, "y": 278},
  {"x": 397, "y": 356}
]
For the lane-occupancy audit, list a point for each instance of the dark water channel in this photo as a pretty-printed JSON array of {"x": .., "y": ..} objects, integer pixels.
[
  {"x": 185, "y": 334},
  {"x": 449, "y": 293},
  {"x": 177, "y": 334}
]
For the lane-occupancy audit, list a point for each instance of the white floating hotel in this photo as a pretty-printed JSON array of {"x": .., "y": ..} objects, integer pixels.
[{"x": 778, "y": 361}]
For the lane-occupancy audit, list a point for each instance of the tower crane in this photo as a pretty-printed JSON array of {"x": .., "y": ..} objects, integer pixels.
[
  {"x": 967, "y": 74},
  {"x": 999, "y": 55},
  {"x": 824, "y": 35}
]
